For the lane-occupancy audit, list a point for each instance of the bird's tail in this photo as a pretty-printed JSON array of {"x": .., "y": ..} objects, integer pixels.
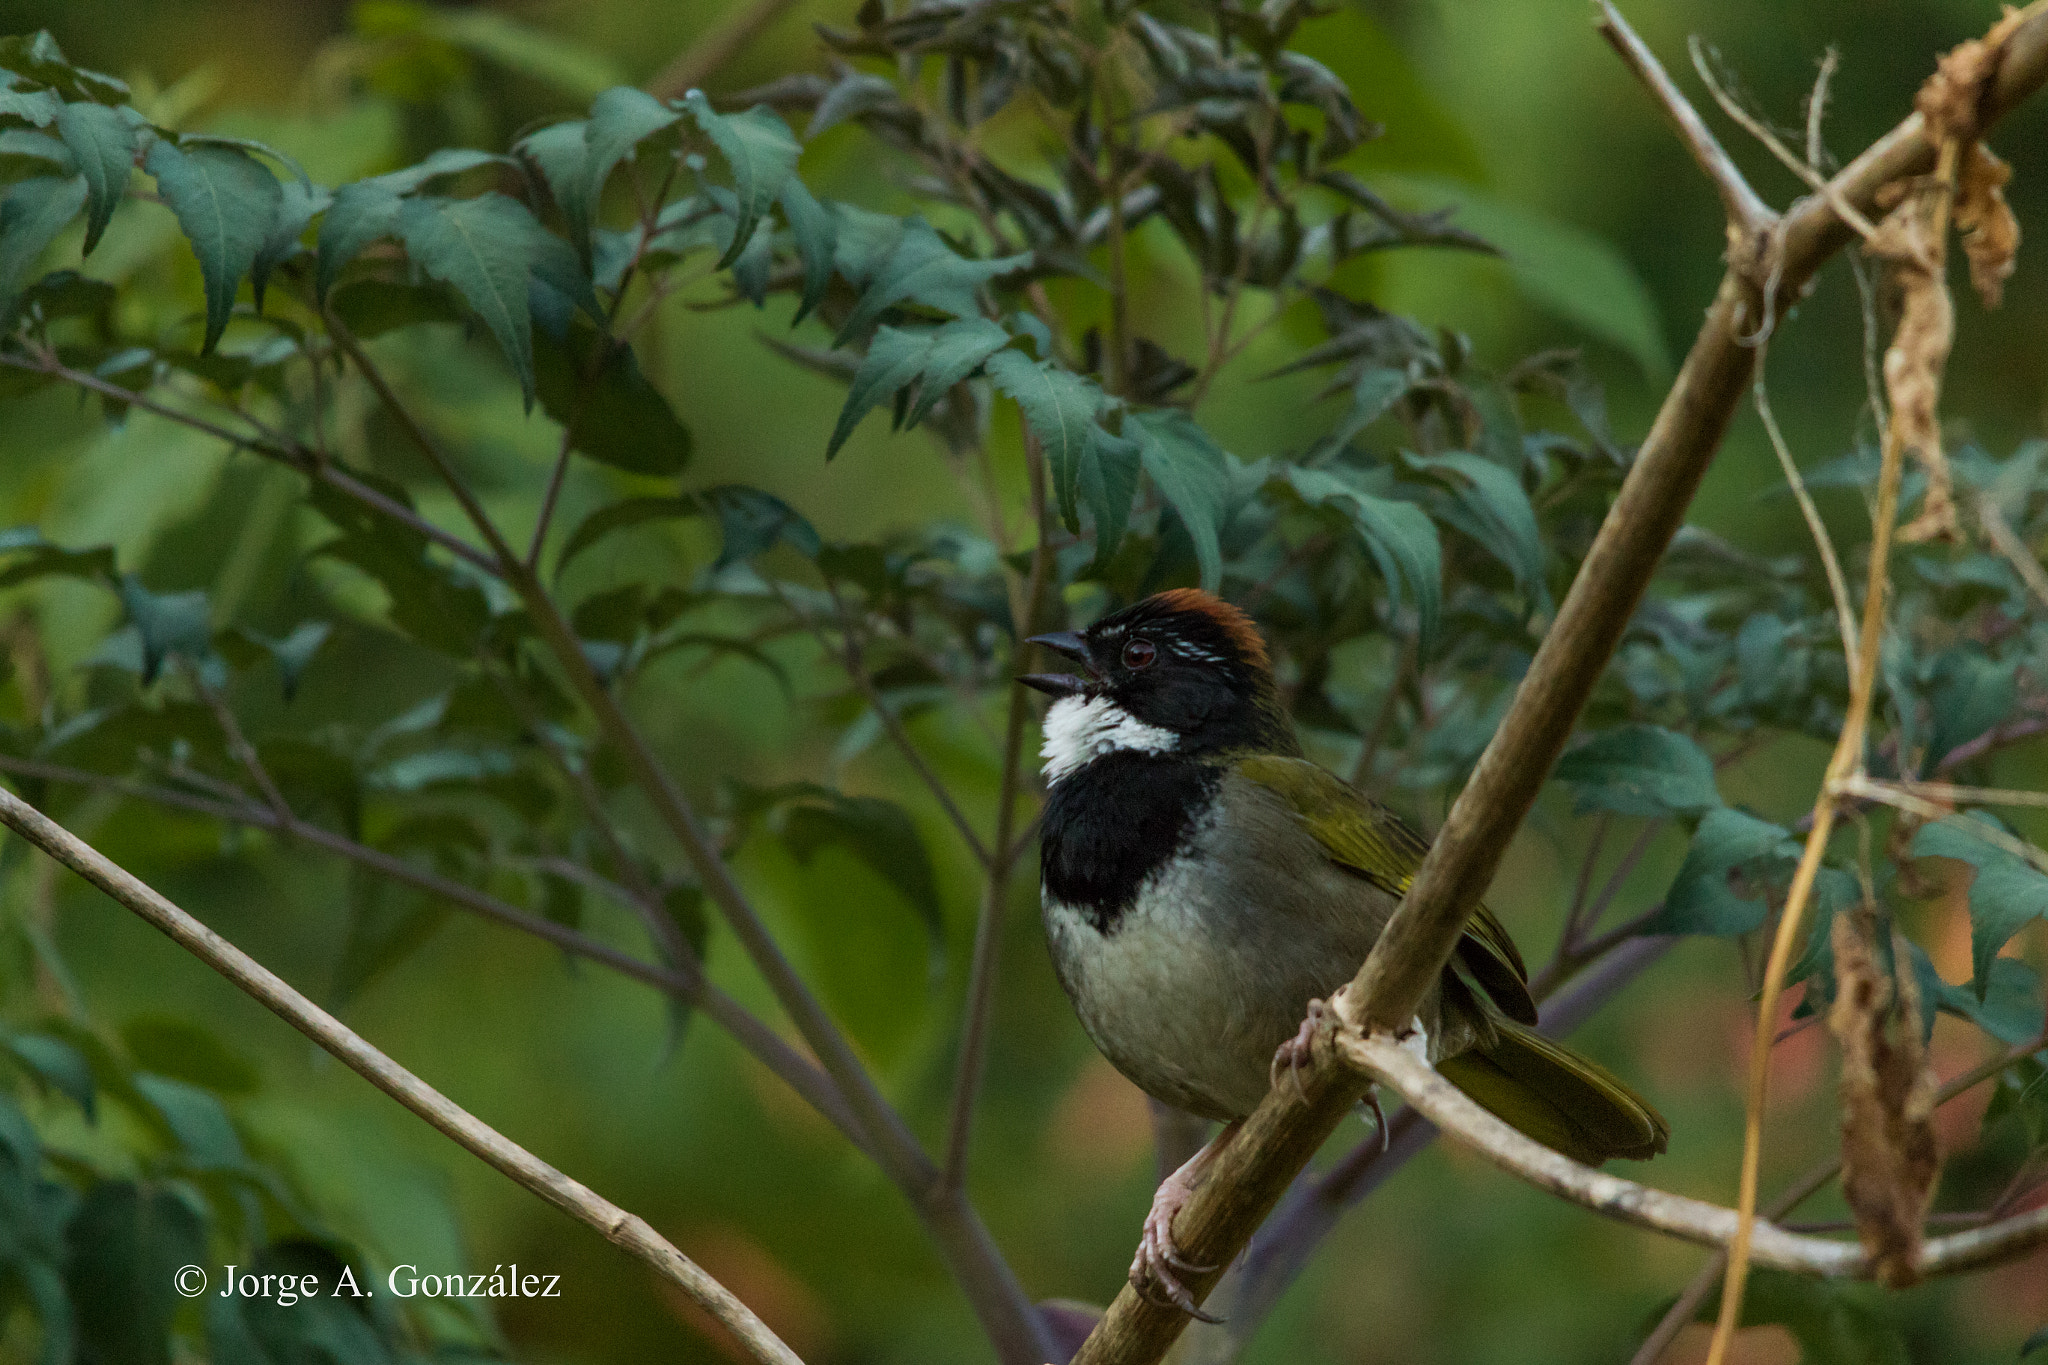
[{"x": 1565, "y": 1101}]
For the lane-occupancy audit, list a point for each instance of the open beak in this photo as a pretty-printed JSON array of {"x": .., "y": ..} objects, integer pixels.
[{"x": 1062, "y": 684}]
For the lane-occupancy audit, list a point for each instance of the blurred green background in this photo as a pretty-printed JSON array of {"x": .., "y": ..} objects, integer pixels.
[{"x": 1516, "y": 101}]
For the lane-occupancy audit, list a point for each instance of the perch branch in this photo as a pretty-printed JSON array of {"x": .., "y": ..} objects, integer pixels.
[
  {"x": 619, "y": 1227},
  {"x": 1290, "y": 1125}
]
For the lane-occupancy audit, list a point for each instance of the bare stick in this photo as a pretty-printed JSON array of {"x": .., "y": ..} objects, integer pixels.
[
  {"x": 1388, "y": 1062},
  {"x": 1838, "y": 585},
  {"x": 702, "y": 59},
  {"x": 1747, "y": 213},
  {"x": 619, "y": 1227},
  {"x": 2006, "y": 541},
  {"x": 1288, "y": 1127}
]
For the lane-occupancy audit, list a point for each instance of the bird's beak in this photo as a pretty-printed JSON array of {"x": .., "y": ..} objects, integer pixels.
[{"x": 1062, "y": 684}]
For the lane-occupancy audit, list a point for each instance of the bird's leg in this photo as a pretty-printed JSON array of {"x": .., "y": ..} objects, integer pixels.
[
  {"x": 1298, "y": 1049},
  {"x": 1152, "y": 1269}
]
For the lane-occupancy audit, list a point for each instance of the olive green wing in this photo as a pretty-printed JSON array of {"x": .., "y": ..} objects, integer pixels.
[{"x": 1360, "y": 834}]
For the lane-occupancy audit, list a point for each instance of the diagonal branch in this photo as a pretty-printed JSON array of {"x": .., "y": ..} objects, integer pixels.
[
  {"x": 619, "y": 1227},
  {"x": 1289, "y": 1126}
]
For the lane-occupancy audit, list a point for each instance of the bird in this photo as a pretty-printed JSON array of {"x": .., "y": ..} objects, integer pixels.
[{"x": 1204, "y": 887}]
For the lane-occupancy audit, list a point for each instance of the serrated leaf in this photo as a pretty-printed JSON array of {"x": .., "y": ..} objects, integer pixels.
[
  {"x": 563, "y": 155},
  {"x": 1640, "y": 770},
  {"x": 37, "y": 108},
  {"x": 1194, "y": 478},
  {"x": 1399, "y": 535},
  {"x": 483, "y": 248},
  {"x": 923, "y": 269},
  {"x": 1495, "y": 498},
  {"x": 1372, "y": 395},
  {"x": 104, "y": 144},
  {"x": 1108, "y": 481},
  {"x": 1060, "y": 406},
  {"x": 817, "y": 233},
  {"x": 31, "y": 215},
  {"x": 620, "y": 119},
  {"x": 1700, "y": 901},
  {"x": 226, "y": 202},
  {"x": 958, "y": 349},
  {"x": 759, "y": 151},
  {"x": 2005, "y": 895},
  {"x": 895, "y": 358},
  {"x": 615, "y": 416}
]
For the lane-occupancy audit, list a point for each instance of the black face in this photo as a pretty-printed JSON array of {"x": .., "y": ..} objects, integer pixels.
[{"x": 1182, "y": 661}]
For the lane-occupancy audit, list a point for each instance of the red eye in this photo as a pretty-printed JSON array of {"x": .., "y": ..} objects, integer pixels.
[{"x": 1139, "y": 653}]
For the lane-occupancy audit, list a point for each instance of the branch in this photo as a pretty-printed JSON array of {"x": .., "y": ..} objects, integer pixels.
[
  {"x": 619, "y": 1227},
  {"x": 702, "y": 59},
  {"x": 1390, "y": 1063},
  {"x": 1749, "y": 217},
  {"x": 1250, "y": 1174},
  {"x": 795, "y": 1070}
]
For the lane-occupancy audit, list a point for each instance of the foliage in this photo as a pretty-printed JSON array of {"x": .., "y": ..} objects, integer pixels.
[{"x": 1421, "y": 539}]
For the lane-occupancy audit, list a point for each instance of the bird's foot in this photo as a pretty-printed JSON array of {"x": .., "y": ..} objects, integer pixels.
[
  {"x": 1379, "y": 1116},
  {"x": 1299, "y": 1049},
  {"x": 1153, "y": 1270}
]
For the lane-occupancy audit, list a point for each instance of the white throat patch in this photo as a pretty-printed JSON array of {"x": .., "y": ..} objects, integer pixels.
[{"x": 1079, "y": 730}]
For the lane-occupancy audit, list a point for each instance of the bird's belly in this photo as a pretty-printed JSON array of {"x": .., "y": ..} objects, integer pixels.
[{"x": 1190, "y": 989}]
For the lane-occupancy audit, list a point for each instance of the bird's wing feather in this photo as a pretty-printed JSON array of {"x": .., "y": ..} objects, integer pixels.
[{"x": 1358, "y": 833}]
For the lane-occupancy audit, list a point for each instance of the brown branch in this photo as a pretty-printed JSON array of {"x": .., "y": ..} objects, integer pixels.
[
  {"x": 703, "y": 58},
  {"x": 1290, "y": 1125},
  {"x": 619, "y": 1227},
  {"x": 1749, "y": 217}
]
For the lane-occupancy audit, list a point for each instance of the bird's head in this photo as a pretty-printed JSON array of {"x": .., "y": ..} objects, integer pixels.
[{"x": 1180, "y": 672}]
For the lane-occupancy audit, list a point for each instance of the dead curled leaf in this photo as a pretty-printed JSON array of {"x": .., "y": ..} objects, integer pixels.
[
  {"x": 1889, "y": 1156},
  {"x": 1990, "y": 232},
  {"x": 1908, "y": 241}
]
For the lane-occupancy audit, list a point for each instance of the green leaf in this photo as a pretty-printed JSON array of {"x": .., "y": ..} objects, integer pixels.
[
  {"x": 31, "y": 215},
  {"x": 761, "y": 153},
  {"x": 615, "y": 416},
  {"x": 25, "y": 556},
  {"x": 894, "y": 359},
  {"x": 103, "y": 141},
  {"x": 620, "y": 516},
  {"x": 1971, "y": 693},
  {"x": 1564, "y": 269},
  {"x": 127, "y": 1243},
  {"x": 1108, "y": 480},
  {"x": 1060, "y": 406},
  {"x": 752, "y": 521},
  {"x": 880, "y": 834},
  {"x": 184, "y": 1051},
  {"x": 1700, "y": 901},
  {"x": 176, "y": 623},
  {"x": 620, "y": 119},
  {"x": 958, "y": 349},
  {"x": 1400, "y": 536},
  {"x": 196, "y": 1119},
  {"x": 58, "y": 1065},
  {"x": 226, "y": 202},
  {"x": 1495, "y": 498},
  {"x": 484, "y": 248},
  {"x": 1640, "y": 770},
  {"x": 563, "y": 154},
  {"x": 1372, "y": 395},
  {"x": 1194, "y": 478},
  {"x": 386, "y": 925},
  {"x": 359, "y": 215},
  {"x": 292, "y": 653},
  {"x": 817, "y": 234},
  {"x": 37, "y": 56},
  {"x": 37, "y": 108},
  {"x": 2011, "y": 1010},
  {"x": 2034, "y": 1342},
  {"x": 300, "y": 203},
  {"x": 2006, "y": 894},
  {"x": 923, "y": 269}
]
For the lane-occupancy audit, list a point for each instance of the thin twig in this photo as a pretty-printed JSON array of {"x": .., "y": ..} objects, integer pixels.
[
  {"x": 1746, "y": 211},
  {"x": 619, "y": 1227},
  {"x": 2007, "y": 542},
  {"x": 1838, "y": 585},
  {"x": 1904, "y": 797}
]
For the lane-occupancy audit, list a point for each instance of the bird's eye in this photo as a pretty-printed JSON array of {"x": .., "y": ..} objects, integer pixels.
[{"x": 1139, "y": 653}]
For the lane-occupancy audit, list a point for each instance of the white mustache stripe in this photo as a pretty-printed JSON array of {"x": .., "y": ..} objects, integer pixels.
[{"x": 1081, "y": 729}]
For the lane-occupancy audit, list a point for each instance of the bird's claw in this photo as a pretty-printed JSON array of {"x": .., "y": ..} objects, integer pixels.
[
  {"x": 1298, "y": 1049},
  {"x": 1153, "y": 1269},
  {"x": 1379, "y": 1117}
]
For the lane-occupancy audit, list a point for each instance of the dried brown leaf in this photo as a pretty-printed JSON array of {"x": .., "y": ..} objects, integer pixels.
[
  {"x": 1950, "y": 99},
  {"x": 1889, "y": 1156},
  {"x": 1908, "y": 241},
  {"x": 1990, "y": 232}
]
